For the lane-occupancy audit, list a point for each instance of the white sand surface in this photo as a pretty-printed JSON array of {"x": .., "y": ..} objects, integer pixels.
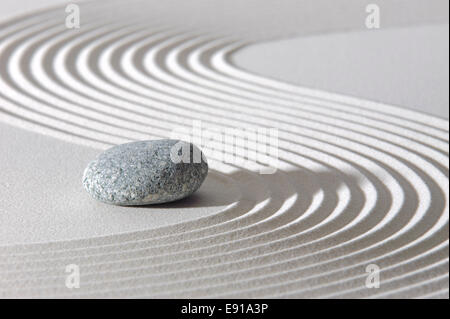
[
  {"x": 406, "y": 66},
  {"x": 363, "y": 162}
]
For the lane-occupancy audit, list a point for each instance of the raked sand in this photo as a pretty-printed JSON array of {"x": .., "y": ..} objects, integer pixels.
[{"x": 359, "y": 181}]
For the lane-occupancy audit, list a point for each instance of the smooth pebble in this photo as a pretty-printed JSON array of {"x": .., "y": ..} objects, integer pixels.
[{"x": 146, "y": 172}]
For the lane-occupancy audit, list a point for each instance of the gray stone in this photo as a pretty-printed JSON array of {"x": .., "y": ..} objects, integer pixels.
[{"x": 146, "y": 172}]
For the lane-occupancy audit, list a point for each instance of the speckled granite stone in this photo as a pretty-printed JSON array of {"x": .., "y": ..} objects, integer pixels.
[{"x": 146, "y": 172}]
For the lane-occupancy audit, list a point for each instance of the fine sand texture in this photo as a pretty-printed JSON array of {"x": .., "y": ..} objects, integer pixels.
[{"x": 362, "y": 170}]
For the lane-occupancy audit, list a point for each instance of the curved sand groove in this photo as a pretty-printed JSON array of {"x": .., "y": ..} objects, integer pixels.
[{"x": 357, "y": 182}]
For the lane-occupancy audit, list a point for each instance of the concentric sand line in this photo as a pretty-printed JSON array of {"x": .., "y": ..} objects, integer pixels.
[{"x": 357, "y": 183}]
